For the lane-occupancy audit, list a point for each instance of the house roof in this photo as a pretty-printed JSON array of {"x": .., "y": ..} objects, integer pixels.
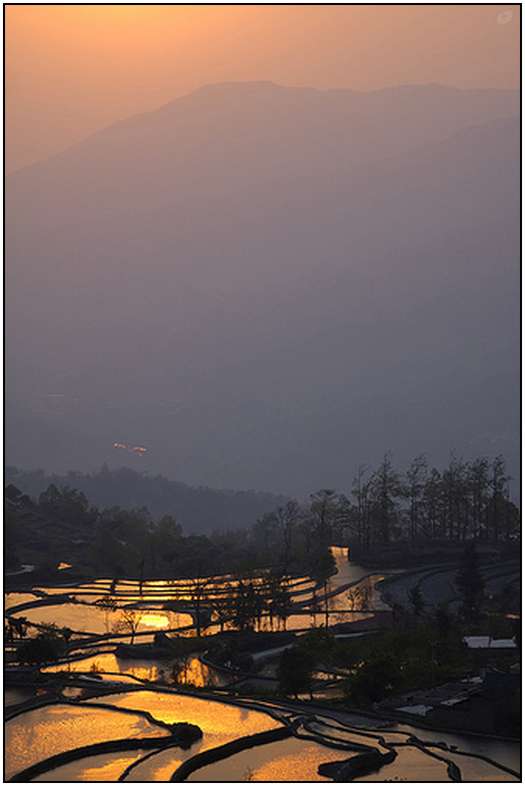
[{"x": 487, "y": 642}]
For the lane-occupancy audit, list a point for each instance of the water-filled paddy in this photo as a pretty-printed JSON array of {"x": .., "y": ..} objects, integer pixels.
[
  {"x": 306, "y": 620},
  {"x": 477, "y": 770},
  {"x": 41, "y": 733},
  {"x": 12, "y": 599},
  {"x": 44, "y": 732},
  {"x": 287, "y": 760},
  {"x": 219, "y": 722},
  {"x": 84, "y": 618},
  {"x": 214, "y": 718},
  {"x": 106, "y": 768},
  {"x": 298, "y": 760},
  {"x": 507, "y": 753},
  {"x": 191, "y": 671}
]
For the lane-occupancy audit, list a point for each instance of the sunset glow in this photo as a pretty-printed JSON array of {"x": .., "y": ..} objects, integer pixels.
[
  {"x": 81, "y": 67},
  {"x": 262, "y": 510}
]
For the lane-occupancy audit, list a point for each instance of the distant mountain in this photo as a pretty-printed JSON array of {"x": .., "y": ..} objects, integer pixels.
[
  {"x": 266, "y": 285},
  {"x": 199, "y": 510}
]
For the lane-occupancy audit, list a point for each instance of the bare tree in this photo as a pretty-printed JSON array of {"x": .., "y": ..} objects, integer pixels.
[
  {"x": 323, "y": 512},
  {"x": 287, "y": 518},
  {"x": 361, "y": 494},
  {"x": 478, "y": 481},
  {"x": 222, "y": 606},
  {"x": 416, "y": 476},
  {"x": 496, "y": 503},
  {"x": 279, "y": 598},
  {"x": 109, "y": 606},
  {"x": 198, "y": 591},
  {"x": 386, "y": 489},
  {"x": 128, "y": 622}
]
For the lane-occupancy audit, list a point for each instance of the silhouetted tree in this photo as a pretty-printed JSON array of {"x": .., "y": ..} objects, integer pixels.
[
  {"x": 416, "y": 476},
  {"x": 295, "y": 671},
  {"x": 247, "y": 605},
  {"x": 416, "y": 599},
  {"x": 279, "y": 598},
  {"x": 197, "y": 589},
  {"x": 287, "y": 518},
  {"x": 66, "y": 504},
  {"x": 443, "y": 619},
  {"x": 497, "y": 485},
  {"x": 374, "y": 679},
  {"x": 477, "y": 478},
  {"x": 109, "y": 605},
  {"x": 432, "y": 504},
  {"x": 324, "y": 513},
  {"x": 44, "y": 648},
  {"x": 128, "y": 622},
  {"x": 361, "y": 491},
  {"x": 469, "y": 582},
  {"x": 387, "y": 489}
]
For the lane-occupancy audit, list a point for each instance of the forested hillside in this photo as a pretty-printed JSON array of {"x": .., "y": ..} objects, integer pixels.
[{"x": 196, "y": 509}]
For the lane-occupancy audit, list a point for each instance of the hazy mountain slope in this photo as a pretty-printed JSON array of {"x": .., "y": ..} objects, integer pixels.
[
  {"x": 266, "y": 286},
  {"x": 197, "y": 509}
]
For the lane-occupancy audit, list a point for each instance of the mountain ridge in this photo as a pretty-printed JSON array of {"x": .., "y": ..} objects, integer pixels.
[
  {"x": 198, "y": 509},
  {"x": 216, "y": 88},
  {"x": 209, "y": 293}
]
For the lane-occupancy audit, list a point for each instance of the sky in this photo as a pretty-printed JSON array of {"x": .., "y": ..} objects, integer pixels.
[
  {"x": 264, "y": 285},
  {"x": 73, "y": 69}
]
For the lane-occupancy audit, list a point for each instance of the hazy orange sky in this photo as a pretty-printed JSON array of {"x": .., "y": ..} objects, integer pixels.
[{"x": 73, "y": 69}]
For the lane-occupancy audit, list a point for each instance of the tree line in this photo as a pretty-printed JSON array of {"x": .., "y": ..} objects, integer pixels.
[
  {"x": 131, "y": 543},
  {"x": 200, "y": 510},
  {"x": 468, "y": 500}
]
